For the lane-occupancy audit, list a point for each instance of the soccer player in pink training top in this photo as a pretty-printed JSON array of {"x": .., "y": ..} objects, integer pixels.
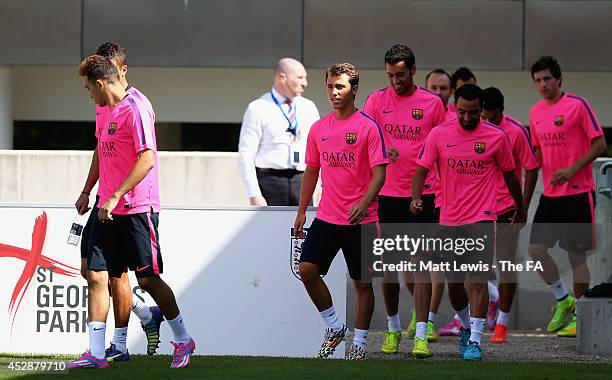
[
  {"x": 347, "y": 147},
  {"x": 507, "y": 236},
  {"x": 93, "y": 263},
  {"x": 567, "y": 138},
  {"x": 469, "y": 154},
  {"x": 437, "y": 83},
  {"x": 406, "y": 113},
  {"x": 128, "y": 207}
]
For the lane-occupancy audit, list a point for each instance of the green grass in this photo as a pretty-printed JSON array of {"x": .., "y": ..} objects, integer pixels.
[{"x": 232, "y": 367}]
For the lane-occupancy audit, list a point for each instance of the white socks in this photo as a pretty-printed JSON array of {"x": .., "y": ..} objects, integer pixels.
[
  {"x": 97, "y": 335},
  {"x": 179, "y": 329},
  {"x": 558, "y": 289},
  {"x": 503, "y": 318},
  {"x": 141, "y": 310},
  {"x": 476, "y": 326},
  {"x": 464, "y": 316},
  {"x": 421, "y": 330},
  {"x": 360, "y": 338},
  {"x": 493, "y": 292},
  {"x": 331, "y": 319},
  {"x": 120, "y": 338},
  {"x": 432, "y": 317},
  {"x": 393, "y": 322}
]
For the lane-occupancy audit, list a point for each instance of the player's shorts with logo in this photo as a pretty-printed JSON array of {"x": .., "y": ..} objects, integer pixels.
[
  {"x": 506, "y": 216},
  {"x": 568, "y": 220},
  {"x": 132, "y": 241},
  {"x": 397, "y": 210},
  {"x": 324, "y": 240}
]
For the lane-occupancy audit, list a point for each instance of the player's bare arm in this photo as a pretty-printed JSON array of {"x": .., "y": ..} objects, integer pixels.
[
  {"x": 82, "y": 203},
  {"x": 531, "y": 178},
  {"x": 598, "y": 147},
  {"x": 514, "y": 187},
  {"x": 418, "y": 180},
  {"x": 309, "y": 182}
]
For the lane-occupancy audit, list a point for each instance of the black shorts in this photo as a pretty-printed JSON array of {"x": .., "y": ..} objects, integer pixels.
[
  {"x": 131, "y": 241},
  {"x": 473, "y": 250},
  {"x": 323, "y": 242},
  {"x": 507, "y": 216},
  {"x": 437, "y": 215},
  {"x": 397, "y": 210},
  {"x": 568, "y": 220},
  {"x": 90, "y": 248}
]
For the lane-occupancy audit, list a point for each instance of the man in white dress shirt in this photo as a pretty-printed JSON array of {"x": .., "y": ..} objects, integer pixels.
[{"x": 273, "y": 138}]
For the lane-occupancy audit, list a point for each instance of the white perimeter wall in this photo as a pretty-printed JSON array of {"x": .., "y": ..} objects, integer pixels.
[{"x": 186, "y": 178}]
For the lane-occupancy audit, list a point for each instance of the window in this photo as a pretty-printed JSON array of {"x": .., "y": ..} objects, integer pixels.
[{"x": 79, "y": 135}]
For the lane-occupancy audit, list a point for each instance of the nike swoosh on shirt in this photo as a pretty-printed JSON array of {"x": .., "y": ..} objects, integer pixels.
[
  {"x": 385, "y": 111},
  {"x": 451, "y": 145},
  {"x": 324, "y": 138},
  {"x": 143, "y": 268},
  {"x": 95, "y": 329}
]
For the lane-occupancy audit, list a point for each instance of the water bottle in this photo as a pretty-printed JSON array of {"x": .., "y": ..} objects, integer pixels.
[{"x": 76, "y": 230}]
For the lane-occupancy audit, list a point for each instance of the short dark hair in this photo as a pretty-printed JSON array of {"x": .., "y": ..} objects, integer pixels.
[
  {"x": 338, "y": 69},
  {"x": 462, "y": 73},
  {"x": 469, "y": 92},
  {"x": 492, "y": 99},
  {"x": 544, "y": 63},
  {"x": 97, "y": 67},
  {"x": 398, "y": 53},
  {"x": 436, "y": 71},
  {"x": 113, "y": 51}
]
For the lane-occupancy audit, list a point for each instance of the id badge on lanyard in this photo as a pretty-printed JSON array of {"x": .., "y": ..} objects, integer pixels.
[{"x": 295, "y": 152}]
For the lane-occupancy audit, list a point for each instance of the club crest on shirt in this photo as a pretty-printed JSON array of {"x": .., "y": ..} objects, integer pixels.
[
  {"x": 559, "y": 119},
  {"x": 417, "y": 113},
  {"x": 112, "y": 128},
  {"x": 480, "y": 147},
  {"x": 351, "y": 138}
]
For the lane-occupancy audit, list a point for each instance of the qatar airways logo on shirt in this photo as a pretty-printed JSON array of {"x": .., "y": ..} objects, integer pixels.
[
  {"x": 404, "y": 132},
  {"x": 467, "y": 166},
  {"x": 107, "y": 149},
  {"x": 340, "y": 159},
  {"x": 553, "y": 139}
]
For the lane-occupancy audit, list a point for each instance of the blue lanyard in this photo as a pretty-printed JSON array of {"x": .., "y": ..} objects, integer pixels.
[{"x": 290, "y": 129}]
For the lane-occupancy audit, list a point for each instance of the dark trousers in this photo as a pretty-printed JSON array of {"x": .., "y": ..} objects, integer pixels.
[{"x": 280, "y": 187}]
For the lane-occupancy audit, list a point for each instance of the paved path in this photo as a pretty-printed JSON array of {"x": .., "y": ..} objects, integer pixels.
[{"x": 522, "y": 346}]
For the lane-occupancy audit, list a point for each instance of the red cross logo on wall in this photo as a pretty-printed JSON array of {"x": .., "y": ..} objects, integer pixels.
[{"x": 33, "y": 258}]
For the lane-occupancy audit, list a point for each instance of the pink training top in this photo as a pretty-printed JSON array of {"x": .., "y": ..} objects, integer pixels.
[
  {"x": 123, "y": 132},
  {"x": 102, "y": 112},
  {"x": 406, "y": 121},
  {"x": 564, "y": 131},
  {"x": 346, "y": 151},
  {"x": 524, "y": 157},
  {"x": 450, "y": 114},
  {"x": 469, "y": 162}
]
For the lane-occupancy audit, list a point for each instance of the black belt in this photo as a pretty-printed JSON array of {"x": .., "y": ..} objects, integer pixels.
[{"x": 279, "y": 172}]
